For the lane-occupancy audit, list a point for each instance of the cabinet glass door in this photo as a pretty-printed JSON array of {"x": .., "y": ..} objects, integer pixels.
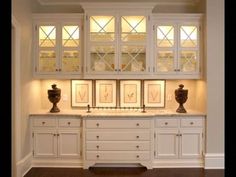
[
  {"x": 188, "y": 48},
  {"x": 133, "y": 44},
  {"x": 70, "y": 48},
  {"x": 47, "y": 48},
  {"x": 102, "y": 44},
  {"x": 165, "y": 44}
]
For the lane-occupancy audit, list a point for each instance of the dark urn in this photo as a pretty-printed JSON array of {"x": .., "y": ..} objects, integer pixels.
[
  {"x": 54, "y": 97},
  {"x": 181, "y": 96}
]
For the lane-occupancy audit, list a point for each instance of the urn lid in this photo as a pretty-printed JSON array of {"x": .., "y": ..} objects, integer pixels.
[{"x": 54, "y": 89}]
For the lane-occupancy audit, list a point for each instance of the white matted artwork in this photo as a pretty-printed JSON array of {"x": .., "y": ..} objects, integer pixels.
[
  {"x": 106, "y": 93},
  {"x": 154, "y": 93},
  {"x": 81, "y": 94},
  {"x": 130, "y": 93}
]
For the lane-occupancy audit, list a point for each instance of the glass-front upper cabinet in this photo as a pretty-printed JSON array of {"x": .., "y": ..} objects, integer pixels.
[
  {"x": 177, "y": 45},
  {"x": 117, "y": 40},
  {"x": 57, "y": 46}
]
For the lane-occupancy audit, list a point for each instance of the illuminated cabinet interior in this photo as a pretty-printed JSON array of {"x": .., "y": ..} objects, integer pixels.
[
  {"x": 177, "y": 46},
  {"x": 58, "y": 49},
  {"x": 117, "y": 44}
]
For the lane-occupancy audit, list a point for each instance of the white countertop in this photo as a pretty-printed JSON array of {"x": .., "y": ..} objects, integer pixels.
[{"x": 119, "y": 113}]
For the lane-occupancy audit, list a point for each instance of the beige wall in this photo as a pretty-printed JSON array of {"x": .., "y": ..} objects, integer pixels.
[
  {"x": 21, "y": 10},
  {"x": 193, "y": 86},
  {"x": 215, "y": 75}
]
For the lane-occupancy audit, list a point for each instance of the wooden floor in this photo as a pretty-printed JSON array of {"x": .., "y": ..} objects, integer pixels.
[{"x": 123, "y": 172}]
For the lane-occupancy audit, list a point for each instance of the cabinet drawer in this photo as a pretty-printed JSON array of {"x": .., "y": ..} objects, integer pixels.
[
  {"x": 70, "y": 122},
  {"x": 115, "y": 155},
  {"x": 118, "y": 123},
  {"x": 44, "y": 122},
  {"x": 118, "y": 135},
  {"x": 166, "y": 122},
  {"x": 117, "y": 146},
  {"x": 191, "y": 122}
]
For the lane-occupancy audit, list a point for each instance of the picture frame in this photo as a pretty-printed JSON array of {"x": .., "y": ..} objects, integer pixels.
[
  {"x": 105, "y": 93},
  {"x": 81, "y": 93},
  {"x": 154, "y": 93},
  {"x": 130, "y": 93}
]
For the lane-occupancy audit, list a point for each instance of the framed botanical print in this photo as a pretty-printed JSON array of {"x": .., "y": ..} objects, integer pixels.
[
  {"x": 81, "y": 94},
  {"x": 154, "y": 93},
  {"x": 106, "y": 93},
  {"x": 130, "y": 93}
]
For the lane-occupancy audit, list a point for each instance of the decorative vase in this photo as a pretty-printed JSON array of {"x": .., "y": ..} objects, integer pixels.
[
  {"x": 54, "y": 97},
  {"x": 181, "y": 96}
]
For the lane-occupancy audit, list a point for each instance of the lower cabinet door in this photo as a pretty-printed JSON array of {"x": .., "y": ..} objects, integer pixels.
[
  {"x": 69, "y": 144},
  {"x": 166, "y": 144},
  {"x": 117, "y": 155},
  {"x": 45, "y": 143}
]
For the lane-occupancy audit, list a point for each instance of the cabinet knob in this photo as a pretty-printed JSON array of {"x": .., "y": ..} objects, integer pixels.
[
  {"x": 68, "y": 123},
  {"x": 97, "y": 124},
  {"x": 97, "y": 136},
  {"x": 97, "y": 156},
  {"x": 191, "y": 123},
  {"x": 137, "y": 124},
  {"x": 137, "y": 136},
  {"x": 56, "y": 69},
  {"x": 54, "y": 134},
  {"x": 97, "y": 147},
  {"x": 43, "y": 123},
  {"x": 166, "y": 123},
  {"x": 137, "y": 146},
  {"x": 59, "y": 69},
  {"x": 58, "y": 134},
  {"x": 137, "y": 156}
]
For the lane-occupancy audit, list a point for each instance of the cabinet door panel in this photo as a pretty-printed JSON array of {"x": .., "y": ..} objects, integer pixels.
[
  {"x": 167, "y": 143},
  {"x": 45, "y": 143}
]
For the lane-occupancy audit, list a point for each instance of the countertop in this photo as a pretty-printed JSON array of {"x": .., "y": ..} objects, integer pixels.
[{"x": 118, "y": 113}]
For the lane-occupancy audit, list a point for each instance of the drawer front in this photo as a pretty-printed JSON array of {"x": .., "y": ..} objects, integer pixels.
[
  {"x": 118, "y": 123},
  {"x": 120, "y": 156},
  {"x": 117, "y": 146},
  {"x": 70, "y": 122},
  {"x": 190, "y": 122},
  {"x": 166, "y": 123},
  {"x": 117, "y": 135},
  {"x": 45, "y": 122}
]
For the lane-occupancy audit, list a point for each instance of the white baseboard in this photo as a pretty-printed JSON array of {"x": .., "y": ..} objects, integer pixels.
[
  {"x": 178, "y": 163},
  {"x": 214, "y": 161},
  {"x": 24, "y": 165}
]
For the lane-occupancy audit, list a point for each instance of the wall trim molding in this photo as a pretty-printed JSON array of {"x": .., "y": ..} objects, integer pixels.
[
  {"x": 214, "y": 161},
  {"x": 24, "y": 165}
]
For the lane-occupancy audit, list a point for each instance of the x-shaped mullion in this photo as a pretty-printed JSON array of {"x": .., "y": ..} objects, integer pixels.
[
  {"x": 70, "y": 36},
  {"x": 165, "y": 36},
  {"x": 102, "y": 28},
  {"x": 133, "y": 28},
  {"x": 133, "y": 58},
  {"x": 47, "y": 36},
  {"x": 188, "y": 59},
  {"x": 102, "y": 58},
  {"x": 188, "y": 35}
]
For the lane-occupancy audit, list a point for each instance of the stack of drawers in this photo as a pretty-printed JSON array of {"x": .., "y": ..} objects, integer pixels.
[{"x": 121, "y": 140}]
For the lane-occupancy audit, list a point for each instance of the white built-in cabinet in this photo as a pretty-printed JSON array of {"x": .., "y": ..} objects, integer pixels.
[
  {"x": 177, "y": 43},
  {"x": 57, "y": 49},
  {"x": 179, "y": 138},
  {"x": 56, "y": 137}
]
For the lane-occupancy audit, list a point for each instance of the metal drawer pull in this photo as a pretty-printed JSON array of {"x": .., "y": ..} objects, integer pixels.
[
  {"x": 97, "y": 136},
  {"x": 137, "y": 146},
  {"x": 97, "y": 147},
  {"x": 137, "y": 136},
  {"x": 97, "y": 156},
  {"x": 137, "y": 124},
  {"x": 68, "y": 123},
  {"x": 191, "y": 123},
  {"x": 166, "y": 123},
  {"x": 137, "y": 156},
  {"x": 43, "y": 123},
  {"x": 97, "y": 124}
]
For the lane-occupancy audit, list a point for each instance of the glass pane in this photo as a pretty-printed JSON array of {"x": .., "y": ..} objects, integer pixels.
[
  {"x": 47, "y": 36},
  {"x": 188, "y": 36},
  {"x": 165, "y": 36},
  {"x": 102, "y": 28},
  {"x": 133, "y": 28},
  {"x": 102, "y": 58},
  {"x": 47, "y": 61},
  {"x": 165, "y": 61},
  {"x": 133, "y": 58},
  {"x": 70, "y": 36},
  {"x": 188, "y": 61},
  {"x": 70, "y": 61}
]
